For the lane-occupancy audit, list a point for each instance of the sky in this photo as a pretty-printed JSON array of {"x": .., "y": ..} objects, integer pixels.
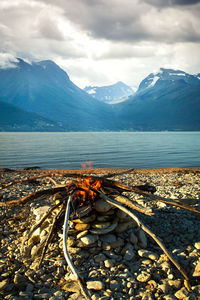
[{"x": 100, "y": 42}]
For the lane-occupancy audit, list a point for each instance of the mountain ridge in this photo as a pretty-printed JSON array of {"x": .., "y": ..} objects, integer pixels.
[
  {"x": 165, "y": 100},
  {"x": 110, "y": 94}
]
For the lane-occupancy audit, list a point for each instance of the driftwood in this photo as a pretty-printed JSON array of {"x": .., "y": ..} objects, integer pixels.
[{"x": 107, "y": 189}]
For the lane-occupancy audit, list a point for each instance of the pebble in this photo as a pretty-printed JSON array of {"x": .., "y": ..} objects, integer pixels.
[
  {"x": 89, "y": 239},
  {"x": 109, "y": 263},
  {"x": 143, "y": 277},
  {"x": 82, "y": 234},
  {"x": 88, "y": 219},
  {"x": 148, "y": 254},
  {"x": 108, "y": 238},
  {"x": 95, "y": 285},
  {"x": 197, "y": 245},
  {"x": 197, "y": 270},
  {"x": 114, "y": 285},
  {"x": 100, "y": 257},
  {"x": 3, "y": 284},
  {"x": 72, "y": 286},
  {"x": 133, "y": 238},
  {"x": 128, "y": 252},
  {"x": 182, "y": 293},
  {"x": 82, "y": 227},
  {"x": 101, "y": 225},
  {"x": 142, "y": 239},
  {"x": 125, "y": 226},
  {"x": 104, "y": 230}
]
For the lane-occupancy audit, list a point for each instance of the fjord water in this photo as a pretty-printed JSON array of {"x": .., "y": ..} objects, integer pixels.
[{"x": 104, "y": 149}]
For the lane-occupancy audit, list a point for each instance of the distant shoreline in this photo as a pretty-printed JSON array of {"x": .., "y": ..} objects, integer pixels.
[{"x": 30, "y": 170}]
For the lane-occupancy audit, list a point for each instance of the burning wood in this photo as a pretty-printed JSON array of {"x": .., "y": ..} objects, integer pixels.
[{"x": 81, "y": 196}]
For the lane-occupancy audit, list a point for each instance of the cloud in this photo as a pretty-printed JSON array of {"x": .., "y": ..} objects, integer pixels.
[
  {"x": 134, "y": 21},
  {"x": 100, "y": 41},
  {"x": 7, "y": 60},
  {"x": 164, "y": 3}
]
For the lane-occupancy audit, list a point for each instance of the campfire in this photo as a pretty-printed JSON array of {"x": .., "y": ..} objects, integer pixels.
[{"x": 80, "y": 197}]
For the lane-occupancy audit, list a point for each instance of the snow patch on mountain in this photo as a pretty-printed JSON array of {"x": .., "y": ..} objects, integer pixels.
[{"x": 155, "y": 79}]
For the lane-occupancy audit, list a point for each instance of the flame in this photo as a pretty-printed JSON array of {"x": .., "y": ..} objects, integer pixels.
[{"x": 86, "y": 184}]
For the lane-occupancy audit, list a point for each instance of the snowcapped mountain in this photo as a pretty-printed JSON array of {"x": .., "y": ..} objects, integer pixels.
[
  {"x": 168, "y": 76},
  {"x": 110, "y": 94},
  {"x": 166, "y": 100},
  {"x": 45, "y": 89}
]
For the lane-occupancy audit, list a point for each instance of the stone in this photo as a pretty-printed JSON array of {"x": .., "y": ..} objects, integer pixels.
[
  {"x": 95, "y": 285},
  {"x": 82, "y": 234},
  {"x": 20, "y": 280},
  {"x": 103, "y": 218},
  {"x": 125, "y": 226},
  {"x": 82, "y": 227},
  {"x": 164, "y": 288},
  {"x": 71, "y": 286},
  {"x": 197, "y": 245},
  {"x": 133, "y": 238},
  {"x": 122, "y": 216},
  {"x": 143, "y": 277},
  {"x": 142, "y": 239},
  {"x": 148, "y": 254},
  {"x": 108, "y": 238},
  {"x": 3, "y": 284},
  {"x": 175, "y": 283},
  {"x": 169, "y": 297},
  {"x": 109, "y": 263},
  {"x": 102, "y": 206},
  {"x": 182, "y": 293},
  {"x": 100, "y": 257},
  {"x": 128, "y": 252},
  {"x": 114, "y": 285},
  {"x": 197, "y": 270},
  {"x": 40, "y": 211},
  {"x": 117, "y": 244},
  {"x": 89, "y": 239},
  {"x": 104, "y": 230},
  {"x": 85, "y": 220},
  {"x": 35, "y": 239},
  {"x": 101, "y": 225}
]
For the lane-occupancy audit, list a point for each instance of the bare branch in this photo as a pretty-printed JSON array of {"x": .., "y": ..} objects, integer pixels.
[{"x": 66, "y": 253}]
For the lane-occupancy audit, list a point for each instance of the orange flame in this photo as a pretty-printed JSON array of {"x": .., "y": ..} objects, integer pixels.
[{"x": 86, "y": 184}]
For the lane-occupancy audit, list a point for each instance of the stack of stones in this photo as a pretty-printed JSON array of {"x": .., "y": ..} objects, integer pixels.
[{"x": 110, "y": 253}]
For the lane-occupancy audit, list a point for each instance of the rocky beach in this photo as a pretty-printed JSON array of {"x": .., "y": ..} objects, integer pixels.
[{"x": 116, "y": 258}]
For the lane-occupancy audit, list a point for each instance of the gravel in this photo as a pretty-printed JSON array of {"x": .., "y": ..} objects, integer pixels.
[{"x": 124, "y": 263}]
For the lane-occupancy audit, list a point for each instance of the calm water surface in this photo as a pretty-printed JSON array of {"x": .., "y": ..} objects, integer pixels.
[{"x": 104, "y": 149}]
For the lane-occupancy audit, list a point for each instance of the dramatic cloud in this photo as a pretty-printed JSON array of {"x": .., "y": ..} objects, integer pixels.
[{"x": 99, "y": 41}]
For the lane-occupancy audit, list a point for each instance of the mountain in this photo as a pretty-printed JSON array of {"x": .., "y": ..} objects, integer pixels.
[
  {"x": 41, "y": 97},
  {"x": 16, "y": 119},
  {"x": 166, "y": 100},
  {"x": 167, "y": 76},
  {"x": 110, "y": 94},
  {"x": 45, "y": 89}
]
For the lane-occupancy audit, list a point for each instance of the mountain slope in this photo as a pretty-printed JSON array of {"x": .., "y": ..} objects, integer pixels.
[
  {"x": 44, "y": 88},
  {"x": 168, "y": 100},
  {"x": 13, "y": 118},
  {"x": 111, "y": 93}
]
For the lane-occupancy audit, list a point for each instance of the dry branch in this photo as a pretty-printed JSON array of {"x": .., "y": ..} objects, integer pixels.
[{"x": 66, "y": 253}]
